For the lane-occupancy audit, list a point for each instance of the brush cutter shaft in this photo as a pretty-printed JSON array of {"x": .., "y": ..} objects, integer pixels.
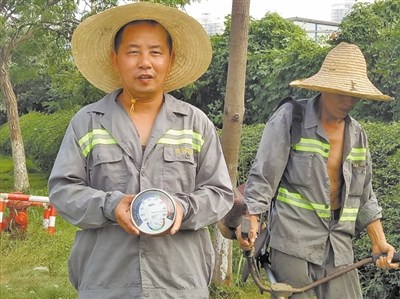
[{"x": 285, "y": 290}]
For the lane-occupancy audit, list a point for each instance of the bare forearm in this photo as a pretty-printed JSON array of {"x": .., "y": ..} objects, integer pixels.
[
  {"x": 376, "y": 235},
  {"x": 380, "y": 246}
]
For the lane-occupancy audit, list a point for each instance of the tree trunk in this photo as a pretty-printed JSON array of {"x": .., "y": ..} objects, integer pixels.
[
  {"x": 232, "y": 123},
  {"x": 21, "y": 180}
]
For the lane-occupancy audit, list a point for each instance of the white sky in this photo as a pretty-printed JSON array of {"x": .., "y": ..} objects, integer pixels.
[{"x": 312, "y": 9}]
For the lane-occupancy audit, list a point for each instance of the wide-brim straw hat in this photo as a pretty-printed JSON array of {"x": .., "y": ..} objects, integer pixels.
[
  {"x": 93, "y": 41},
  {"x": 344, "y": 71}
]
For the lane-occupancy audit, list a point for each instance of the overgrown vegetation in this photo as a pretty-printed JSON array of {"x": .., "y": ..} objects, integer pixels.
[{"x": 42, "y": 135}]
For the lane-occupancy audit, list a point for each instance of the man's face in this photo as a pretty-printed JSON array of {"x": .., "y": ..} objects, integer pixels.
[
  {"x": 143, "y": 59},
  {"x": 338, "y": 106}
]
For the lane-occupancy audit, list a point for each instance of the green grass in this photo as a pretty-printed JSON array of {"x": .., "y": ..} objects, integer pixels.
[
  {"x": 37, "y": 180},
  {"x": 35, "y": 267}
]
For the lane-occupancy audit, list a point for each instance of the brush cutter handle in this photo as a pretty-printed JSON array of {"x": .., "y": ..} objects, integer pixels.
[
  {"x": 285, "y": 290},
  {"x": 373, "y": 258},
  {"x": 396, "y": 257}
]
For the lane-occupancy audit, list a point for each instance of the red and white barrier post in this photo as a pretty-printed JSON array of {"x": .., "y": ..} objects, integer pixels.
[
  {"x": 2, "y": 209},
  {"x": 49, "y": 214}
]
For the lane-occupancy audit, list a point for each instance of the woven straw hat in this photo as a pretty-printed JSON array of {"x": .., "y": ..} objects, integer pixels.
[
  {"x": 344, "y": 71},
  {"x": 93, "y": 41}
]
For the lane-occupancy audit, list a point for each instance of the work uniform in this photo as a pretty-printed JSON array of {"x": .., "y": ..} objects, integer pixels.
[
  {"x": 301, "y": 222},
  {"x": 101, "y": 160}
]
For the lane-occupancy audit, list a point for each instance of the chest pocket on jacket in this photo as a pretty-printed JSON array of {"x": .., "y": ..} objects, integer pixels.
[
  {"x": 358, "y": 173},
  {"x": 106, "y": 169},
  {"x": 299, "y": 168},
  {"x": 179, "y": 168}
]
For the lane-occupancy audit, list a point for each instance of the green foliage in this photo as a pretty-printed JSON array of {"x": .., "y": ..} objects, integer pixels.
[
  {"x": 277, "y": 49},
  {"x": 271, "y": 71},
  {"x": 42, "y": 135},
  {"x": 385, "y": 151},
  {"x": 375, "y": 29},
  {"x": 37, "y": 179},
  {"x": 385, "y": 148},
  {"x": 250, "y": 139},
  {"x": 280, "y": 52},
  {"x": 214, "y": 113}
]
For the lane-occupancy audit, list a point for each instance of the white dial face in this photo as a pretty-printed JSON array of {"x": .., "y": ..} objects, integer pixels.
[{"x": 153, "y": 211}]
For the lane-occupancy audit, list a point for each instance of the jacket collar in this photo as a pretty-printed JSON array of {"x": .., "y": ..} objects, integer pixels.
[{"x": 171, "y": 104}]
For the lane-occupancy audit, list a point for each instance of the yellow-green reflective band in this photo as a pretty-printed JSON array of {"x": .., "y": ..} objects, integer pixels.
[
  {"x": 349, "y": 214},
  {"x": 358, "y": 154},
  {"x": 312, "y": 146},
  {"x": 97, "y": 136},
  {"x": 295, "y": 199},
  {"x": 177, "y": 137}
]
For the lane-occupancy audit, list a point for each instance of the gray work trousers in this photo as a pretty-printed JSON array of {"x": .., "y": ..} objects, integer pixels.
[{"x": 298, "y": 273}]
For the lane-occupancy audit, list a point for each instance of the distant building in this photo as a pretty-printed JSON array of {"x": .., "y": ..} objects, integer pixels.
[
  {"x": 211, "y": 25},
  {"x": 341, "y": 9},
  {"x": 316, "y": 29}
]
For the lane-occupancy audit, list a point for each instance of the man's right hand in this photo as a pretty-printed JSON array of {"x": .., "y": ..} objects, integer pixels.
[
  {"x": 247, "y": 243},
  {"x": 123, "y": 215}
]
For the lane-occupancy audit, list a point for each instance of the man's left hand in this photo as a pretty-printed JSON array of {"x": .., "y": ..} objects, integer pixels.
[{"x": 385, "y": 261}]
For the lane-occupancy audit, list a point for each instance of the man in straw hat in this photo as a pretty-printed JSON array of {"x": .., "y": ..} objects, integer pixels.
[
  {"x": 136, "y": 138},
  {"x": 318, "y": 189}
]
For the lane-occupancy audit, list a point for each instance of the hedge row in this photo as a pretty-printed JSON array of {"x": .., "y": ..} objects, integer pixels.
[{"x": 43, "y": 134}]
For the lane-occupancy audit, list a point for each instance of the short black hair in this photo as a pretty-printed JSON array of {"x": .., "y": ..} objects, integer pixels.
[{"x": 118, "y": 35}]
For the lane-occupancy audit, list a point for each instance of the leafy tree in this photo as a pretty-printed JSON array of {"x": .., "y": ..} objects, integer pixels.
[
  {"x": 278, "y": 52},
  {"x": 375, "y": 28},
  {"x": 20, "y": 22},
  {"x": 272, "y": 68}
]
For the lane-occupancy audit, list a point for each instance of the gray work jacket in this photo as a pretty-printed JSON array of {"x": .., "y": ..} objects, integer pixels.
[
  {"x": 100, "y": 160},
  {"x": 300, "y": 215}
]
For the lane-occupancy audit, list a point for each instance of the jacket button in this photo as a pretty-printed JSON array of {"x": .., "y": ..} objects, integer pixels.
[{"x": 143, "y": 173}]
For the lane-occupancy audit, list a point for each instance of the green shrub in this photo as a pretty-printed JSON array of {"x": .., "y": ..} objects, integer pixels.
[
  {"x": 249, "y": 142},
  {"x": 42, "y": 135},
  {"x": 385, "y": 151}
]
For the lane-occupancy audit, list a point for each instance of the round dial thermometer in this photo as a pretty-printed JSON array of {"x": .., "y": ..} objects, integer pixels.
[{"x": 153, "y": 211}]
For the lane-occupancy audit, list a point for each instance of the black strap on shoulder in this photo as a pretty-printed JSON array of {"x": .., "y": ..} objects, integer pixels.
[{"x": 297, "y": 118}]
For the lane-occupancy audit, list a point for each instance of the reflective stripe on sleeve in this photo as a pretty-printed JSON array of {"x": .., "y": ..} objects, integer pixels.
[
  {"x": 357, "y": 154},
  {"x": 349, "y": 214}
]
